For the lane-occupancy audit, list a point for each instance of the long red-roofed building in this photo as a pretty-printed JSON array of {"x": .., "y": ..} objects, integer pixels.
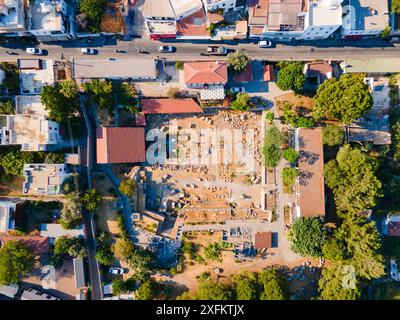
[
  {"x": 120, "y": 145},
  {"x": 170, "y": 106},
  {"x": 38, "y": 245}
]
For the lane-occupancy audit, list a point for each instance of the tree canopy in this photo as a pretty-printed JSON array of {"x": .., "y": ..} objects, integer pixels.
[
  {"x": 210, "y": 290},
  {"x": 16, "y": 260},
  {"x": 123, "y": 249},
  {"x": 127, "y": 187},
  {"x": 100, "y": 91},
  {"x": 71, "y": 213},
  {"x": 69, "y": 246},
  {"x": 396, "y": 6},
  {"x": 246, "y": 286},
  {"x": 272, "y": 146},
  {"x": 307, "y": 236},
  {"x": 242, "y": 102},
  {"x": 289, "y": 176},
  {"x": 332, "y": 135},
  {"x": 6, "y": 107},
  {"x": 290, "y": 154},
  {"x": 291, "y": 77},
  {"x": 363, "y": 243},
  {"x": 352, "y": 177},
  {"x": 238, "y": 61},
  {"x": 275, "y": 285},
  {"x": 91, "y": 199},
  {"x": 331, "y": 285},
  {"x": 60, "y": 100},
  {"x": 346, "y": 99},
  {"x": 93, "y": 10}
]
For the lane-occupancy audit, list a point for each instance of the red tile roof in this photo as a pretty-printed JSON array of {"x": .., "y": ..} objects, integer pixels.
[
  {"x": 167, "y": 106},
  {"x": 194, "y": 25},
  {"x": 140, "y": 119},
  {"x": 311, "y": 166},
  {"x": 206, "y": 72},
  {"x": 214, "y": 17},
  {"x": 269, "y": 72},
  {"x": 263, "y": 240},
  {"x": 245, "y": 76},
  {"x": 120, "y": 145},
  {"x": 39, "y": 245}
]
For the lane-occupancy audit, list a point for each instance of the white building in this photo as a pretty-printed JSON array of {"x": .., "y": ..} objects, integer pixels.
[
  {"x": 364, "y": 18},
  {"x": 44, "y": 179},
  {"x": 226, "y": 5},
  {"x": 7, "y": 211},
  {"x": 47, "y": 20},
  {"x": 12, "y": 17},
  {"x": 34, "y": 74},
  {"x": 295, "y": 19}
]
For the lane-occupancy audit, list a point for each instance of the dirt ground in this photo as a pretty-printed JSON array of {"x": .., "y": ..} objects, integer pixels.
[
  {"x": 298, "y": 102},
  {"x": 207, "y": 191},
  {"x": 13, "y": 188}
]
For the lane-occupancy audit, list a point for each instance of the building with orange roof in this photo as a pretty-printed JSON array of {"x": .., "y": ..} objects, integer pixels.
[
  {"x": 170, "y": 106},
  {"x": 205, "y": 73},
  {"x": 120, "y": 145},
  {"x": 193, "y": 26}
]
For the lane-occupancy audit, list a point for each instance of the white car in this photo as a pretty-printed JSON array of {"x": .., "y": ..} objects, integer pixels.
[
  {"x": 34, "y": 51},
  {"x": 265, "y": 44},
  {"x": 238, "y": 90},
  {"x": 88, "y": 51},
  {"x": 115, "y": 270},
  {"x": 166, "y": 49}
]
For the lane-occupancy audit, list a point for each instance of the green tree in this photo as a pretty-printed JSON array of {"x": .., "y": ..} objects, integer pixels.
[
  {"x": 246, "y": 286},
  {"x": 6, "y": 107},
  {"x": 332, "y": 135},
  {"x": 11, "y": 79},
  {"x": 238, "y": 61},
  {"x": 123, "y": 249},
  {"x": 13, "y": 161},
  {"x": 346, "y": 99},
  {"x": 118, "y": 287},
  {"x": 93, "y": 10},
  {"x": 69, "y": 247},
  {"x": 100, "y": 92},
  {"x": 291, "y": 77},
  {"x": 104, "y": 254},
  {"x": 334, "y": 250},
  {"x": 54, "y": 158},
  {"x": 396, "y": 6},
  {"x": 304, "y": 122},
  {"x": 16, "y": 260},
  {"x": 179, "y": 65},
  {"x": 146, "y": 290},
  {"x": 209, "y": 290},
  {"x": 275, "y": 285},
  {"x": 59, "y": 102},
  {"x": 128, "y": 187},
  {"x": 71, "y": 213},
  {"x": 352, "y": 177},
  {"x": 289, "y": 176},
  {"x": 331, "y": 285},
  {"x": 271, "y": 148},
  {"x": 363, "y": 243},
  {"x": 91, "y": 199},
  {"x": 213, "y": 251},
  {"x": 68, "y": 89},
  {"x": 290, "y": 155},
  {"x": 307, "y": 236},
  {"x": 141, "y": 261},
  {"x": 269, "y": 116},
  {"x": 386, "y": 32},
  {"x": 242, "y": 102}
]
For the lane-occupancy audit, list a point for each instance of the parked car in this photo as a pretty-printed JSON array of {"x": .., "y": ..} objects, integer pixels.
[
  {"x": 237, "y": 90},
  {"x": 217, "y": 50},
  {"x": 116, "y": 270},
  {"x": 34, "y": 51},
  {"x": 265, "y": 44},
  {"x": 89, "y": 51},
  {"x": 166, "y": 49}
]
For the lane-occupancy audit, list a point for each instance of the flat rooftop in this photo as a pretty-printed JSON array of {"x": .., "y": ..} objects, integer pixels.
[
  {"x": 33, "y": 79},
  {"x": 285, "y": 15},
  {"x": 30, "y": 105},
  {"x": 326, "y": 12},
  {"x": 12, "y": 15},
  {"x": 379, "y": 65},
  {"x": 369, "y": 14},
  {"x": 114, "y": 68},
  {"x": 45, "y": 15}
]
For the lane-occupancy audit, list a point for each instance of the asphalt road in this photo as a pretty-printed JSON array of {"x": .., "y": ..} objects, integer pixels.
[{"x": 328, "y": 50}]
